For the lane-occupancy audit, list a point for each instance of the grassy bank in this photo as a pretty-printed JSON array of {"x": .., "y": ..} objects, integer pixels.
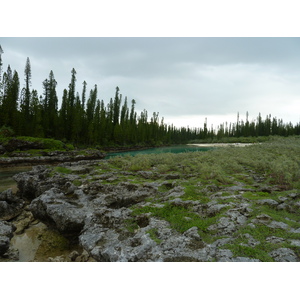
[{"x": 277, "y": 160}]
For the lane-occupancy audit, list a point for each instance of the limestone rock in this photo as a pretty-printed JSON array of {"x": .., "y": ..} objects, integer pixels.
[
  {"x": 10, "y": 205},
  {"x": 6, "y": 233},
  {"x": 283, "y": 255}
]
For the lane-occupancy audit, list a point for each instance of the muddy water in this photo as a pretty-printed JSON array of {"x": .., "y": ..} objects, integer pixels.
[
  {"x": 39, "y": 243},
  {"x": 28, "y": 243}
]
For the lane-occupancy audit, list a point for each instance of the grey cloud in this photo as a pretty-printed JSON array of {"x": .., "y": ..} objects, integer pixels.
[{"x": 175, "y": 76}]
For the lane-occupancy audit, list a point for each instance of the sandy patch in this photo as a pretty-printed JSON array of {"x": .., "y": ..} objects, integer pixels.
[{"x": 222, "y": 145}]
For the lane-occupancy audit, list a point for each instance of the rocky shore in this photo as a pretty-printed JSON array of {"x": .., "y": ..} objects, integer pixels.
[
  {"x": 113, "y": 215},
  {"x": 49, "y": 158}
]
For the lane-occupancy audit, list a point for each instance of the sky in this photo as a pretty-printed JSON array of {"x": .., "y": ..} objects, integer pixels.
[{"x": 184, "y": 79}]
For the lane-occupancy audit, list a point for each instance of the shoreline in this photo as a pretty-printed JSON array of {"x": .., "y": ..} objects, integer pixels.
[{"x": 222, "y": 145}]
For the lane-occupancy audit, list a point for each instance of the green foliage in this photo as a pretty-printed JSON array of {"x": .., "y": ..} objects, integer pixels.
[
  {"x": 277, "y": 161},
  {"x": 77, "y": 182},
  {"x": 245, "y": 251},
  {"x": 259, "y": 233},
  {"x": 154, "y": 235},
  {"x": 131, "y": 225},
  {"x": 62, "y": 170},
  {"x": 180, "y": 218},
  {"x": 6, "y": 131}
]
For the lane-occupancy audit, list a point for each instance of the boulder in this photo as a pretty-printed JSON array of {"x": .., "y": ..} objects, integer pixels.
[
  {"x": 54, "y": 208},
  {"x": 10, "y": 205},
  {"x": 6, "y": 233},
  {"x": 283, "y": 255},
  {"x": 269, "y": 202}
]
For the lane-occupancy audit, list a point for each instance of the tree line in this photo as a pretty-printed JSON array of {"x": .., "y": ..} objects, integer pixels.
[{"x": 83, "y": 119}]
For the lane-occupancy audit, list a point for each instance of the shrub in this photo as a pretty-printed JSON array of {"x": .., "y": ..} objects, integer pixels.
[{"x": 6, "y": 131}]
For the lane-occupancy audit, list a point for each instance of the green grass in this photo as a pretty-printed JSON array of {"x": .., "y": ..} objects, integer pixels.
[
  {"x": 154, "y": 235},
  {"x": 244, "y": 251},
  {"x": 256, "y": 195},
  {"x": 62, "y": 170},
  {"x": 259, "y": 233},
  {"x": 77, "y": 182},
  {"x": 181, "y": 219}
]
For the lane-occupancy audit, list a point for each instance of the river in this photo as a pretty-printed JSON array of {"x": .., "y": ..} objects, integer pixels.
[{"x": 158, "y": 150}]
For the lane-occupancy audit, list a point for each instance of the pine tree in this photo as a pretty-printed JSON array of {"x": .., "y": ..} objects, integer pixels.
[
  {"x": 26, "y": 102},
  {"x": 36, "y": 115},
  {"x": 63, "y": 116},
  {"x": 11, "y": 87},
  {"x": 116, "y": 107},
  {"x": 1, "y": 84},
  {"x": 90, "y": 113},
  {"x": 70, "y": 106}
]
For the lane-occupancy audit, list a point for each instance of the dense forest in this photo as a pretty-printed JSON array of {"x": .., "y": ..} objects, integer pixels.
[{"x": 83, "y": 119}]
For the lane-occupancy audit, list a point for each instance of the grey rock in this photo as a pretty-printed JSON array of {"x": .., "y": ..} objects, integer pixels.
[
  {"x": 145, "y": 174},
  {"x": 297, "y": 204},
  {"x": 278, "y": 225},
  {"x": 262, "y": 219},
  {"x": 236, "y": 216},
  {"x": 269, "y": 202},
  {"x": 193, "y": 233},
  {"x": 220, "y": 242},
  {"x": 244, "y": 259},
  {"x": 224, "y": 226},
  {"x": 295, "y": 243},
  {"x": 10, "y": 205},
  {"x": 100, "y": 215},
  {"x": 172, "y": 176},
  {"x": 283, "y": 255},
  {"x": 215, "y": 209},
  {"x": 282, "y": 199},
  {"x": 210, "y": 189},
  {"x": 282, "y": 206},
  {"x": 224, "y": 255},
  {"x": 175, "y": 192},
  {"x": 55, "y": 208},
  {"x": 6, "y": 233},
  {"x": 252, "y": 242},
  {"x": 274, "y": 240},
  {"x": 295, "y": 230},
  {"x": 294, "y": 195},
  {"x": 238, "y": 188}
]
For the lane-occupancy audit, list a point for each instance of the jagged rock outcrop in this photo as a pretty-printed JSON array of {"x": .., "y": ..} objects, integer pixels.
[
  {"x": 50, "y": 157},
  {"x": 6, "y": 233},
  {"x": 10, "y": 205},
  {"x": 126, "y": 216}
]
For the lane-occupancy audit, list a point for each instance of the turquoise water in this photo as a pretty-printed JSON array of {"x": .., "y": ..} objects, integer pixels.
[{"x": 172, "y": 149}]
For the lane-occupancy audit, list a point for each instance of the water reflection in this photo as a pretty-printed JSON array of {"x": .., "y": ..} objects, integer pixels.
[
  {"x": 28, "y": 243},
  {"x": 6, "y": 174}
]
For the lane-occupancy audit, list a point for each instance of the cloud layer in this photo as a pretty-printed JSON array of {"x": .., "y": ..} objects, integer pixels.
[{"x": 184, "y": 79}]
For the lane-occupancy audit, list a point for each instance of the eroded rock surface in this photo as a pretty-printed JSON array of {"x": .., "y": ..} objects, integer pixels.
[{"x": 143, "y": 216}]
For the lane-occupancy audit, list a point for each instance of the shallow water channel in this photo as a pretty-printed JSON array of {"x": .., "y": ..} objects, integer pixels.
[{"x": 159, "y": 150}]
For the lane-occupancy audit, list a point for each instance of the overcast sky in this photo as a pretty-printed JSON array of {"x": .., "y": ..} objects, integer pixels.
[{"x": 184, "y": 79}]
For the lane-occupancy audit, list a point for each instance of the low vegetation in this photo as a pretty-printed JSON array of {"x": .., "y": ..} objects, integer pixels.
[
  {"x": 277, "y": 160},
  {"x": 274, "y": 165}
]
